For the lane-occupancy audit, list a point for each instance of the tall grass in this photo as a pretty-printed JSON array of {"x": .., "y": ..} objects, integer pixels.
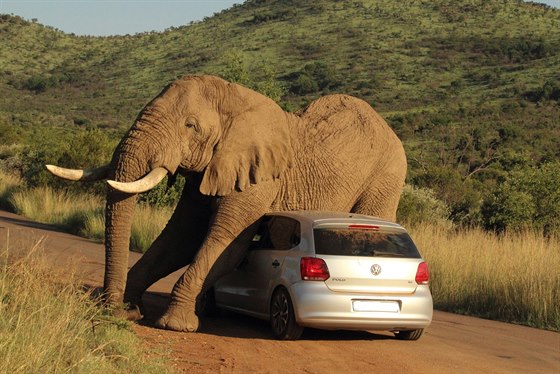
[
  {"x": 49, "y": 324},
  {"x": 67, "y": 211},
  {"x": 84, "y": 214},
  {"x": 512, "y": 277},
  {"x": 9, "y": 184}
]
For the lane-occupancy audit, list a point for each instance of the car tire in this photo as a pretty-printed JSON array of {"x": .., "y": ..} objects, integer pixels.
[
  {"x": 282, "y": 317},
  {"x": 409, "y": 334}
]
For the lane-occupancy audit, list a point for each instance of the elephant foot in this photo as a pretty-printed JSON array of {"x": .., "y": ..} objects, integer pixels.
[{"x": 178, "y": 319}]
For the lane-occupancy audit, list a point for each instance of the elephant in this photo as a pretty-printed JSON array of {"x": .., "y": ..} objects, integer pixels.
[{"x": 242, "y": 156}]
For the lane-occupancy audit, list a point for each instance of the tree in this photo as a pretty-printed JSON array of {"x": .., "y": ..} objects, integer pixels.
[
  {"x": 528, "y": 198},
  {"x": 236, "y": 71}
]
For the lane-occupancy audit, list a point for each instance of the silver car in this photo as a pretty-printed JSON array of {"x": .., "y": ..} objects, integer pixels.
[{"x": 330, "y": 271}]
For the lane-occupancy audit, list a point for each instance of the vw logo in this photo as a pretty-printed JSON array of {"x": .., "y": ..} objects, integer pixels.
[{"x": 375, "y": 269}]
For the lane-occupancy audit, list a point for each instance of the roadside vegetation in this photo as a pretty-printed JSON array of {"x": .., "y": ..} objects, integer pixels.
[
  {"x": 508, "y": 277},
  {"x": 474, "y": 97},
  {"x": 78, "y": 213},
  {"x": 50, "y": 324},
  {"x": 505, "y": 276}
]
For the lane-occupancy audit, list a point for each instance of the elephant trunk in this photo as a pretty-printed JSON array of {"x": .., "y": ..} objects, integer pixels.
[
  {"x": 119, "y": 213},
  {"x": 130, "y": 163}
]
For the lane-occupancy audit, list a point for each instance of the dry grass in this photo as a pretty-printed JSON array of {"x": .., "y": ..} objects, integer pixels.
[
  {"x": 49, "y": 324},
  {"x": 84, "y": 215},
  {"x": 58, "y": 208},
  {"x": 9, "y": 184},
  {"x": 512, "y": 277},
  {"x": 147, "y": 224}
]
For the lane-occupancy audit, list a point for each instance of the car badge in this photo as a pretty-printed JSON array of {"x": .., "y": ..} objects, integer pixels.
[{"x": 375, "y": 269}]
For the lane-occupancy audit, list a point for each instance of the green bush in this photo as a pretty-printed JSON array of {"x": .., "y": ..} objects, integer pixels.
[
  {"x": 314, "y": 77},
  {"x": 420, "y": 205},
  {"x": 164, "y": 194},
  {"x": 461, "y": 195},
  {"x": 304, "y": 84},
  {"x": 78, "y": 149},
  {"x": 549, "y": 91},
  {"x": 262, "y": 77},
  {"x": 528, "y": 198}
]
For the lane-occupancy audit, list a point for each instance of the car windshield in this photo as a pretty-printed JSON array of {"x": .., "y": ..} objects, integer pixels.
[{"x": 359, "y": 242}]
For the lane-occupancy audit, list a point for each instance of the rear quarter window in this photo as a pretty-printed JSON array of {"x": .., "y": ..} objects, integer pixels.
[{"x": 366, "y": 243}]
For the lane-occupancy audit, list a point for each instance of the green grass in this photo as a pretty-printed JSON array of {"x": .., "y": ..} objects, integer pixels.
[{"x": 49, "y": 324}]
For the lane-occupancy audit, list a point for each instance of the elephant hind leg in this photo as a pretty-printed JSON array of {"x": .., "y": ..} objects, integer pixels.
[{"x": 381, "y": 198}]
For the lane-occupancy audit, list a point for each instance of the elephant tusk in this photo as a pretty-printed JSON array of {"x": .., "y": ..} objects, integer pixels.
[
  {"x": 141, "y": 185},
  {"x": 86, "y": 175}
]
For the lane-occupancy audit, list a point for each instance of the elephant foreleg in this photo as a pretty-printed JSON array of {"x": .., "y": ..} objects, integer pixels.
[
  {"x": 174, "y": 248},
  {"x": 234, "y": 214}
]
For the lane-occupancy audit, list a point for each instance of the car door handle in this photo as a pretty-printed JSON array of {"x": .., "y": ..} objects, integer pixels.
[{"x": 275, "y": 263}]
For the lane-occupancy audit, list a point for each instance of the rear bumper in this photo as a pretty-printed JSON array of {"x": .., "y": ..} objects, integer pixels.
[{"x": 317, "y": 306}]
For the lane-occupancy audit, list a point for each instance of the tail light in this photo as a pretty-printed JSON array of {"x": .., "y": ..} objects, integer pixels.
[
  {"x": 314, "y": 269},
  {"x": 423, "y": 273}
]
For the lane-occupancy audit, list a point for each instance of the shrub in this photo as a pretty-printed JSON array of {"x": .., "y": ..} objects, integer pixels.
[
  {"x": 304, "y": 84},
  {"x": 79, "y": 149},
  {"x": 460, "y": 195},
  {"x": 314, "y": 77},
  {"x": 529, "y": 197},
  {"x": 419, "y": 205},
  {"x": 263, "y": 79},
  {"x": 549, "y": 91}
]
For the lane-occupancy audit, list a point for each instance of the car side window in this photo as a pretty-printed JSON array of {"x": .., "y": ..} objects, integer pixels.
[{"x": 276, "y": 232}]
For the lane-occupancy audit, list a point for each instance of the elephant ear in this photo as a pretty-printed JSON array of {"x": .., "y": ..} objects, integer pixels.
[{"x": 255, "y": 147}]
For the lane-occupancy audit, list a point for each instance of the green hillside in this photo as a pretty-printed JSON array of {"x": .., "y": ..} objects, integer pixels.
[{"x": 471, "y": 86}]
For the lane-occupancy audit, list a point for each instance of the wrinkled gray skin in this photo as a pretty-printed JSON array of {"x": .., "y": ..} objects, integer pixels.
[{"x": 242, "y": 156}]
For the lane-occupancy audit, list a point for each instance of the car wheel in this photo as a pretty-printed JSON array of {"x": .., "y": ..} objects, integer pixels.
[
  {"x": 409, "y": 334},
  {"x": 282, "y": 318}
]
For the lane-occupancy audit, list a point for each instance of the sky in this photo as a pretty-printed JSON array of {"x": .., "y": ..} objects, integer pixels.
[
  {"x": 120, "y": 17},
  {"x": 114, "y": 17}
]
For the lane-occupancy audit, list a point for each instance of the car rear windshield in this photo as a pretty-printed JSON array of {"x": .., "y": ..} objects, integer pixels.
[{"x": 359, "y": 242}]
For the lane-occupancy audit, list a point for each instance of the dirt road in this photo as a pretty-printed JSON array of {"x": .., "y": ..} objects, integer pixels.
[{"x": 231, "y": 343}]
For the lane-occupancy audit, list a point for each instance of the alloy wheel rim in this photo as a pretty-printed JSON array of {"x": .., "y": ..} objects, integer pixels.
[{"x": 280, "y": 313}]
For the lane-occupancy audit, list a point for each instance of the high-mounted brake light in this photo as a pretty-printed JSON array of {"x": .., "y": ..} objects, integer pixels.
[
  {"x": 314, "y": 269},
  {"x": 423, "y": 273},
  {"x": 363, "y": 227}
]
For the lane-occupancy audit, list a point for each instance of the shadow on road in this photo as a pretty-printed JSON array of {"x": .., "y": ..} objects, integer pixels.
[
  {"x": 233, "y": 325},
  {"x": 229, "y": 324}
]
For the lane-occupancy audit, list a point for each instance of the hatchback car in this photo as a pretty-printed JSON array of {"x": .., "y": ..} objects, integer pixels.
[{"x": 330, "y": 271}]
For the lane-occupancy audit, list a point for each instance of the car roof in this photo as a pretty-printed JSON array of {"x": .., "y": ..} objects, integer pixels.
[{"x": 316, "y": 217}]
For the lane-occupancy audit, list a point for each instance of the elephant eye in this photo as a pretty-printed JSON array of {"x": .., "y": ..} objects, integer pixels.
[{"x": 191, "y": 123}]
